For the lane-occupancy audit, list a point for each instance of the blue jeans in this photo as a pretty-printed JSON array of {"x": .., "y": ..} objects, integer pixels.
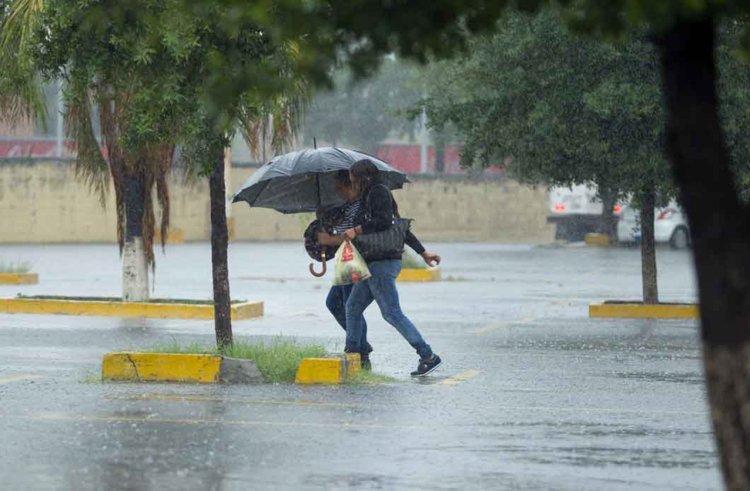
[
  {"x": 336, "y": 303},
  {"x": 381, "y": 287}
]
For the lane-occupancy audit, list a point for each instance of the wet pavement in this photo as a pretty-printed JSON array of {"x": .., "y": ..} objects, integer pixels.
[{"x": 533, "y": 393}]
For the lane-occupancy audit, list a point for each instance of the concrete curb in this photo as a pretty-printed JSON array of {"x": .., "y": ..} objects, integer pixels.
[
  {"x": 331, "y": 370},
  {"x": 641, "y": 311},
  {"x": 178, "y": 367},
  {"x": 239, "y": 311},
  {"x": 597, "y": 240},
  {"x": 419, "y": 275},
  {"x": 19, "y": 278}
]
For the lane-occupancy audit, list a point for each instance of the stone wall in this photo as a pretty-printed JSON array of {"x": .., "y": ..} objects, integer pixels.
[{"x": 44, "y": 202}]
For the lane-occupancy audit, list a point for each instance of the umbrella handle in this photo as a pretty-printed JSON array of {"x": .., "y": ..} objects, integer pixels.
[{"x": 323, "y": 271}]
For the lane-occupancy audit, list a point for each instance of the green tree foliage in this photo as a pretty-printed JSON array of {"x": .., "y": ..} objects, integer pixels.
[
  {"x": 566, "y": 110},
  {"x": 142, "y": 70},
  {"x": 362, "y": 113},
  {"x": 355, "y": 32}
]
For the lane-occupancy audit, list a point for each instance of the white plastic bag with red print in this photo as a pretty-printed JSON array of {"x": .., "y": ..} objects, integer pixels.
[{"x": 350, "y": 267}]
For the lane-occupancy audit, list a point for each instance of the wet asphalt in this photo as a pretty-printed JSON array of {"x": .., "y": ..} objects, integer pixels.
[{"x": 533, "y": 394}]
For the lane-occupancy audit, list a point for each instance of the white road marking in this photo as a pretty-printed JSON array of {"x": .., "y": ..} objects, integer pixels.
[
  {"x": 19, "y": 378},
  {"x": 499, "y": 325}
]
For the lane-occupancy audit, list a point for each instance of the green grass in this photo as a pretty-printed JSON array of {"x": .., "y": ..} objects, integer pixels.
[
  {"x": 453, "y": 278},
  {"x": 367, "y": 377},
  {"x": 91, "y": 378},
  {"x": 17, "y": 267},
  {"x": 277, "y": 361}
]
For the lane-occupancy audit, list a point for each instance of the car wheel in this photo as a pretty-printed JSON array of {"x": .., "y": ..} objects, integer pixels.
[{"x": 680, "y": 238}]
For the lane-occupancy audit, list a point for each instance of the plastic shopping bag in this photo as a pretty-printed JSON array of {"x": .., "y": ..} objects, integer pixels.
[{"x": 350, "y": 267}]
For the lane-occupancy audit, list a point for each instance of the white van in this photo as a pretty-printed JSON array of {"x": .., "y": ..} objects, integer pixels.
[{"x": 575, "y": 211}]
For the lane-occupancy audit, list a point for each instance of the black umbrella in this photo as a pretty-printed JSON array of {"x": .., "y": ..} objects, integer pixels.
[{"x": 304, "y": 180}]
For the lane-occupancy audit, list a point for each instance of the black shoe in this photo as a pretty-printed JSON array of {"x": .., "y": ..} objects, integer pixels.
[
  {"x": 366, "y": 365},
  {"x": 427, "y": 366}
]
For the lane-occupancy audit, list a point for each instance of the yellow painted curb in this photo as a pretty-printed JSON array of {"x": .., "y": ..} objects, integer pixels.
[
  {"x": 641, "y": 311},
  {"x": 432, "y": 274},
  {"x": 596, "y": 240},
  {"x": 333, "y": 370},
  {"x": 161, "y": 367},
  {"x": 19, "y": 278},
  {"x": 240, "y": 311}
]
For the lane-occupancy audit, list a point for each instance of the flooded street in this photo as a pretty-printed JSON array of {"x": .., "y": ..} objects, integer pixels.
[{"x": 532, "y": 394}]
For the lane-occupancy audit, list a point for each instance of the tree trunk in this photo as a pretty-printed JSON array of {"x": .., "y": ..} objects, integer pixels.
[
  {"x": 697, "y": 151},
  {"x": 219, "y": 246},
  {"x": 648, "y": 248},
  {"x": 134, "y": 262},
  {"x": 608, "y": 223}
]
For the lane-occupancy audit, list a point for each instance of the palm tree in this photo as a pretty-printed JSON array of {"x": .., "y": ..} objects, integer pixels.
[
  {"x": 141, "y": 77},
  {"x": 134, "y": 173}
]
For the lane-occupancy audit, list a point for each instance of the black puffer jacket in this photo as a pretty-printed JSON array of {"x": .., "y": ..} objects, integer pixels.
[{"x": 376, "y": 213}]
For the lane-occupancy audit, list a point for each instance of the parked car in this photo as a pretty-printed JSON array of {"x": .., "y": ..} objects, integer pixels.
[
  {"x": 575, "y": 211},
  {"x": 670, "y": 226}
]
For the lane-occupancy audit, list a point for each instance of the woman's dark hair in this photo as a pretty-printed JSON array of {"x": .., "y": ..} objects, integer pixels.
[
  {"x": 342, "y": 177},
  {"x": 367, "y": 173}
]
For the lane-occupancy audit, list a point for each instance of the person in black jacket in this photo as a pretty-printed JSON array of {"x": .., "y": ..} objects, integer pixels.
[{"x": 376, "y": 214}]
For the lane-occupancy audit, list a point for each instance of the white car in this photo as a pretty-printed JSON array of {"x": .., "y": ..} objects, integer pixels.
[{"x": 670, "y": 226}]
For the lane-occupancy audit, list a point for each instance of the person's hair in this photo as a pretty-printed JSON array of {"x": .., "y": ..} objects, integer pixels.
[
  {"x": 366, "y": 172},
  {"x": 342, "y": 178}
]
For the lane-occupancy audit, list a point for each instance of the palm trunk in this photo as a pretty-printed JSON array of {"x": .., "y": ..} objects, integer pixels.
[
  {"x": 648, "y": 248},
  {"x": 696, "y": 148},
  {"x": 134, "y": 262},
  {"x": 219, "y": 246}
]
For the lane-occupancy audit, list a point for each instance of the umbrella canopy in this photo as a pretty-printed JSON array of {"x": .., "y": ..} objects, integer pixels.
[{"x": 304, "y": 180}]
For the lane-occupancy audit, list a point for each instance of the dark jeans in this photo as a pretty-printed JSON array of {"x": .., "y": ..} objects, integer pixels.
[
  {"x": 381, "y": 287},
  {"x": 336, "y": 303}
]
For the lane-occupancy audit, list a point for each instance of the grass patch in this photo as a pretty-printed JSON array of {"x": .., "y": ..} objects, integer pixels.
[
  {"x": 91, "y": 378},
  {"x": 277, "y": 361},
  {"x": 368, "y": 377},
  {"x": 15, "y": 268},
  {"x": 456, "y": 278}
]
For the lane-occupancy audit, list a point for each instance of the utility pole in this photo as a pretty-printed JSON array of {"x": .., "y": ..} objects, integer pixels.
[{"x": 60, "y": 107}]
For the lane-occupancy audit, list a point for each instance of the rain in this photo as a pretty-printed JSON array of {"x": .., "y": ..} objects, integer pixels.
[{"x": 466, "y": 247}]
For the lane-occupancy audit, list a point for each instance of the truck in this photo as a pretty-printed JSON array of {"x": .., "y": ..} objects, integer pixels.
[{"x": 576, "y": 211}]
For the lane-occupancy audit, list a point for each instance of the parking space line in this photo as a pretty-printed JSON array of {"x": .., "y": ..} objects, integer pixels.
[
  {"x": 234, "y": 400},
  {"x": 491, "y": 327},
  {"x": 194, "y": 421},
  {"x": 19, "y": 378},
  {"x": 499, "y": 325},
  {"x": 461, "y": 377}
]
